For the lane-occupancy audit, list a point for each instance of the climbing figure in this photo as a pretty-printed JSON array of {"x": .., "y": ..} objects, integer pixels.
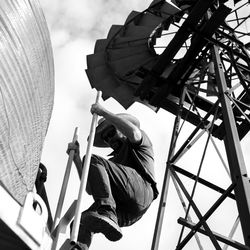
[{"x": 123, "y": 186}]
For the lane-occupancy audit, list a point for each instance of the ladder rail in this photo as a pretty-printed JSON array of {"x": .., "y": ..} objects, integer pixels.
[
  {"x": 59, "y": 224},
  {"x": 85, "y": 170},
  {"x": 64, "y": 184}
]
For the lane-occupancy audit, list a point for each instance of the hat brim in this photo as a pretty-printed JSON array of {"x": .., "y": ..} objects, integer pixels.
[{"x": 104, "y": 124}]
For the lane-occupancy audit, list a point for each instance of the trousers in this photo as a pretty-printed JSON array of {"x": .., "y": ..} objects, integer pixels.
[{"x": 120, "y": 187}]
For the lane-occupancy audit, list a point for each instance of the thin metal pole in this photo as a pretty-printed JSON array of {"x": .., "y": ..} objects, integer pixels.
[
  {"x": 165, "y": 186},
  {"x": 85, "y": 170},
  {"x": 221, "y": 158},
  {"x": 234, "y": 152},
  {"x": 64, "y": 184},
  {"x": 186, "y": 210},
  {"x": 231, "y": 234},
  {"x": 202, "y": 219}
]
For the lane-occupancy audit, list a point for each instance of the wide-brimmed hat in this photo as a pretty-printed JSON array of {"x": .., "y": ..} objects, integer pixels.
[{"x": 104, "y": 124}]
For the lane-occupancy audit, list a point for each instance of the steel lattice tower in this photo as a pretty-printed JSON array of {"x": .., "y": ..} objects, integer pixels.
[{"x": 190, "y": 58}]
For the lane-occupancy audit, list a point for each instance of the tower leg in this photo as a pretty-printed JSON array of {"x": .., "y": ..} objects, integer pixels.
[{"x": 234, "y": 152}]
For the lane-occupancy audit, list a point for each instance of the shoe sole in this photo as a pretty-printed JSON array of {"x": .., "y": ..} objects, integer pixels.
[{"x": 102, "y": 224}]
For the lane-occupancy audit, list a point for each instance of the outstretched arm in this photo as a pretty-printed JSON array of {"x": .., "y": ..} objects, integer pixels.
[{"x": 131, "y": 131}]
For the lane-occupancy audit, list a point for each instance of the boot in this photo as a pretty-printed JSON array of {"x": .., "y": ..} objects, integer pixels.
[{"x": 103, "y": 220}]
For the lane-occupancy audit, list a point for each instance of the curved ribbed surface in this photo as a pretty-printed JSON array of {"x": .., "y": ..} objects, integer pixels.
[{"x": 26, "y": 93}]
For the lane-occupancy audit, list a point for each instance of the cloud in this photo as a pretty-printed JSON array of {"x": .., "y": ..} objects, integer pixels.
[{"x": 87, "y": 19}]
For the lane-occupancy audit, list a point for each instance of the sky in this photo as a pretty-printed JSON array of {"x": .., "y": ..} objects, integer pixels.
[{"x": 74, "y": 27}]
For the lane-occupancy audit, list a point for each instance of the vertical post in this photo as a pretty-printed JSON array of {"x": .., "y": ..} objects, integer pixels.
[
  {"x": 165, "y": 186},
  {"x": 234, "y": 152},
  {"x": 161, "y": 210},
  {"x": 63, "y": 192},
  {"x": 64, "y": 184},
  {"x": 85, "y": 170}
]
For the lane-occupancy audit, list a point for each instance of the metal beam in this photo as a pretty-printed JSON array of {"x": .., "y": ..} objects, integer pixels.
[
  {"x": 175, "y": 44},
  {"x": 202, "y": 181},
  {"x": 202, "y": 219},
  {"x": 219, "y": 237},
  {"x": 234, "y": 151},
  {"x": 198, "y": 42},
  {"x": 166, "y": 181}
]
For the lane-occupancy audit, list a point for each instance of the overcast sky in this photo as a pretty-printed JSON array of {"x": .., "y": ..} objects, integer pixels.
[{"x": 74, "y": 26}]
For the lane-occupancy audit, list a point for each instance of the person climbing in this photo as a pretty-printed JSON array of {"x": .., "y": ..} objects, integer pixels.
[{"x": 123, "y": 186}]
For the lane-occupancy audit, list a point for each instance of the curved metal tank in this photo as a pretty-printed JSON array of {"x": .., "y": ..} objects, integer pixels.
[{"x": 26, "y": 93}]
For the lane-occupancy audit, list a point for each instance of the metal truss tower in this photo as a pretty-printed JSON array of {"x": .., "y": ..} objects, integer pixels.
[{"x": 190, "y": 58}]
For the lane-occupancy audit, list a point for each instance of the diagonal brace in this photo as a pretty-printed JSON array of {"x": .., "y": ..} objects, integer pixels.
[{"x": 201, "y": 218}]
